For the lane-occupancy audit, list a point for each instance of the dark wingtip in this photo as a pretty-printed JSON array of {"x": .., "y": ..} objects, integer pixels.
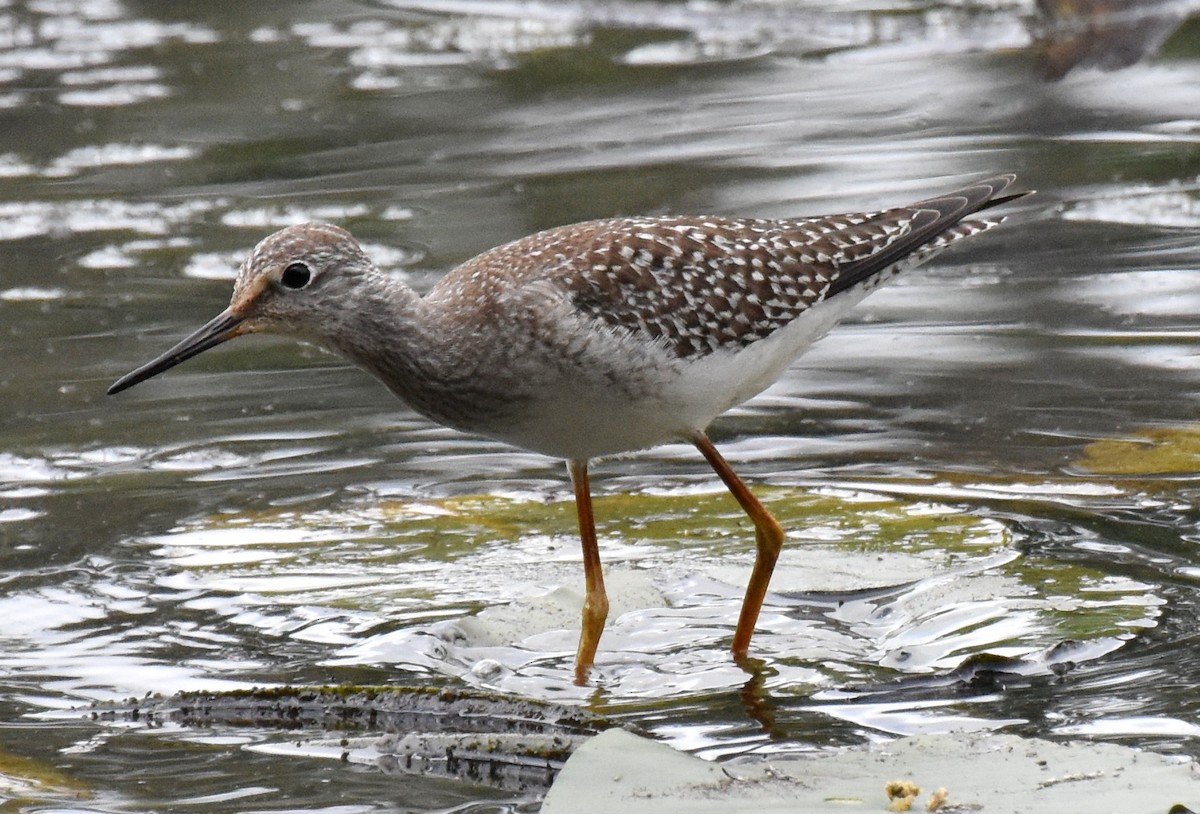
[
  {"x": 975, "y": 197},
  {"x": 998, "y": 184},
  {"x": 1003, "y": 199}
]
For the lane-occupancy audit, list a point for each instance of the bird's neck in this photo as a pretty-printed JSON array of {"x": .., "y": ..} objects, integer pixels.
[
  {"x": 381, "y": 328},
  {"x": 407, "y": 343}
]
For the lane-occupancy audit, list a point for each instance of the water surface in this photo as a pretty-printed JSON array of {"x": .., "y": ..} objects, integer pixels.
[{"x": 1009, "y": 433}]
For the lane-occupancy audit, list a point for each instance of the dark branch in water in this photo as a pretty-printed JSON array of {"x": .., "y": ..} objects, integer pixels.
[{"x": 473, "y": 736}]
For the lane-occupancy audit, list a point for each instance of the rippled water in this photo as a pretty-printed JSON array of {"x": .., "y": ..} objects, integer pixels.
[{"x": 989, "y": 471}]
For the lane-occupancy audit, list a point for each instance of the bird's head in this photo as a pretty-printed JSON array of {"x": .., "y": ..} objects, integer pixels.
[{"x": 291, "y": 283}]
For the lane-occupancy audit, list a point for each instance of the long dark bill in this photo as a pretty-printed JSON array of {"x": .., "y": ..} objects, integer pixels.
[{"x": 220, "y": 329}]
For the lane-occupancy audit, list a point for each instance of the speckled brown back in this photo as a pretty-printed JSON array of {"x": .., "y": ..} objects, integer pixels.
[{"x": 703, "y": 285}]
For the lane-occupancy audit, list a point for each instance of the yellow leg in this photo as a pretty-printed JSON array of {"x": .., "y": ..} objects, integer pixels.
[
  {"x": 595, "y": 600},
  {"x": 768, "y": 534}
]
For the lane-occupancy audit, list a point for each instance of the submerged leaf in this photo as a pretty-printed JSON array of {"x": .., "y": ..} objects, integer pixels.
[{"x": 1151, "y": 451}]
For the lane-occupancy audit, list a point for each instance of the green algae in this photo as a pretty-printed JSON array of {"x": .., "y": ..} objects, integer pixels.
[
  {"x": 27, "y": 782},
  {"x": 451, "y": 556},
  {"x": 449, "y": 527},
  {"x": 1148, "y": 452}
]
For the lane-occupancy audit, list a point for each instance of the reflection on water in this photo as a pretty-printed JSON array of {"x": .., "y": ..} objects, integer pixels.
[{"x": 988, "y": 473}]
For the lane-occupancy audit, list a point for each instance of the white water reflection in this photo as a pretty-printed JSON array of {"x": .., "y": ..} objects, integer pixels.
[
  {"x": 266, "y": 515},
  {"x": 25, "y": 219}
]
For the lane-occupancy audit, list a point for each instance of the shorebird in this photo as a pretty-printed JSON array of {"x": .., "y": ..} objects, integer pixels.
[{"x": 595, "y": 338}]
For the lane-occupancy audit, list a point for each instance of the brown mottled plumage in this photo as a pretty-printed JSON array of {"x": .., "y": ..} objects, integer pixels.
[{"x": 594, "y": 338}]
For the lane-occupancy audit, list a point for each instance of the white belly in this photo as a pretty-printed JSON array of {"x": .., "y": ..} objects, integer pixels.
[{"x": 619, "y": 394}]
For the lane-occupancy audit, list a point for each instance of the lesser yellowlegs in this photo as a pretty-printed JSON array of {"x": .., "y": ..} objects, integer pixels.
[{"x": 595, "y": 338}]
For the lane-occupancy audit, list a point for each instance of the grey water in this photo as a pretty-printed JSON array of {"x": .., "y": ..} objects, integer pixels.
[{"x": 1000, "y": 448}]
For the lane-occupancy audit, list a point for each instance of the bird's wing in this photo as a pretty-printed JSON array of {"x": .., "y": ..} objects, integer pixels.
[{"x": 704, "y": 284}]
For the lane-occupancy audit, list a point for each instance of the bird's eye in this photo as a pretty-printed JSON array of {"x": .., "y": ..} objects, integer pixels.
[{"x": 295, "y": 276}]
